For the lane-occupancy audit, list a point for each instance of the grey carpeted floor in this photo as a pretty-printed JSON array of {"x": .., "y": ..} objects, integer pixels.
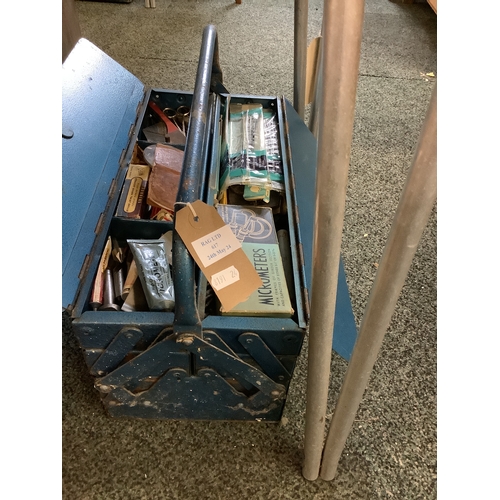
[{"x": 391, "y": 451}]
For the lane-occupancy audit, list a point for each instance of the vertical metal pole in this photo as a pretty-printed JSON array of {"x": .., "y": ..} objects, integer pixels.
[
  {"x": 300, "y": 56},
  {"x": 414, "y": 208},
  {"x": 343, "y": 22},
  {"x": 316, "y": 103}
]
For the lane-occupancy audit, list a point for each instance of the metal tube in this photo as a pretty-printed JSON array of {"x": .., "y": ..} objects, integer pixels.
[
  {"x": 411, "y": 217},
  {"x": 300, "y": 56},
  {"x": 187, "y": 318},
  {"x": 109, "y": 293},
  {"x": 343, "y": 22},
  {"x": 189, "y": 184},
  {"x": 316, "y": 103}
]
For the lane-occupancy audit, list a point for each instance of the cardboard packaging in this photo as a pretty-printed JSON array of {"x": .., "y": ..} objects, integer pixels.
[
  {"x": 254, "y": 228},
  {"x": 132, "y": 203}
]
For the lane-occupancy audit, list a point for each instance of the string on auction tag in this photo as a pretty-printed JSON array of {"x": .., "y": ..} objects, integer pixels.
[{"x": 193, "y": 211}]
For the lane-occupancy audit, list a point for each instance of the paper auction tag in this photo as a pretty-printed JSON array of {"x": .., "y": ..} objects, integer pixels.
[{"x": 218, "y": 252}]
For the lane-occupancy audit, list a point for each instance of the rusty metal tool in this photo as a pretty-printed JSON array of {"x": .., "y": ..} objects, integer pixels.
[{"x": 173, "y": 135}]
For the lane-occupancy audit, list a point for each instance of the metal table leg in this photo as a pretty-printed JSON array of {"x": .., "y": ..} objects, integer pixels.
[
  {"x": 343, "y": 22},
  {"x": 300, "y": 56},
  {"x": 415, "y": 206}
]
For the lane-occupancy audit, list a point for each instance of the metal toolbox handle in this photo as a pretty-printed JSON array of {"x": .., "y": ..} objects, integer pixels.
[{"x": 208, "y": 76}]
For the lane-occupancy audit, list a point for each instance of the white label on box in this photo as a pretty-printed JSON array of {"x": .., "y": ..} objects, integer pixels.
[
  {"x": 224, "y": 278},
  {"x": 216, "y": 245}
]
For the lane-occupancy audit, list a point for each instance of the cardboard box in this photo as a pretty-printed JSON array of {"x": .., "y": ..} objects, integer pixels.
[
  {"x": 132, "y": 203},
  {"x": 254, "y": 228}
]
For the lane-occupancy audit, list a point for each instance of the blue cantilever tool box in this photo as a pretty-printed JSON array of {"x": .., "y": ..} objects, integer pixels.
[{"x": 189, "y": 363}]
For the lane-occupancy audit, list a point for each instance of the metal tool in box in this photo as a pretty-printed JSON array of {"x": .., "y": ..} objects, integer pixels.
[{"x": 190, "y": 363}]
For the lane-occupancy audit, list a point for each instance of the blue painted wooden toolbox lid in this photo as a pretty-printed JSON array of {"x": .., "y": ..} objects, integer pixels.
[{"x": 99, "y": 107}]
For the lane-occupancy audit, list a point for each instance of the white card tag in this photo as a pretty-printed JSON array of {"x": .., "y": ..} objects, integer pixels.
[
  {"x": 224, "y": 278},
  {"x": 216, "y": 245}
]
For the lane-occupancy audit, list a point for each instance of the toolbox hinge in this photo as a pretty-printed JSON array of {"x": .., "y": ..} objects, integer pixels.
[
  {"x": 84, "y": 267},
  {"x": 99, "y": 224},
  {"x": 139, "y": 106},
  {"x": 112, "y": 186},
  {"x": 297, "y": 218},
  {"x": 300, "y": 255},
  {"x": 151, "y": 381},
  {"x": 307, "y": 309},
  {"x": 122, "y": 156},
  {"x": 136, "y": 125}
]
